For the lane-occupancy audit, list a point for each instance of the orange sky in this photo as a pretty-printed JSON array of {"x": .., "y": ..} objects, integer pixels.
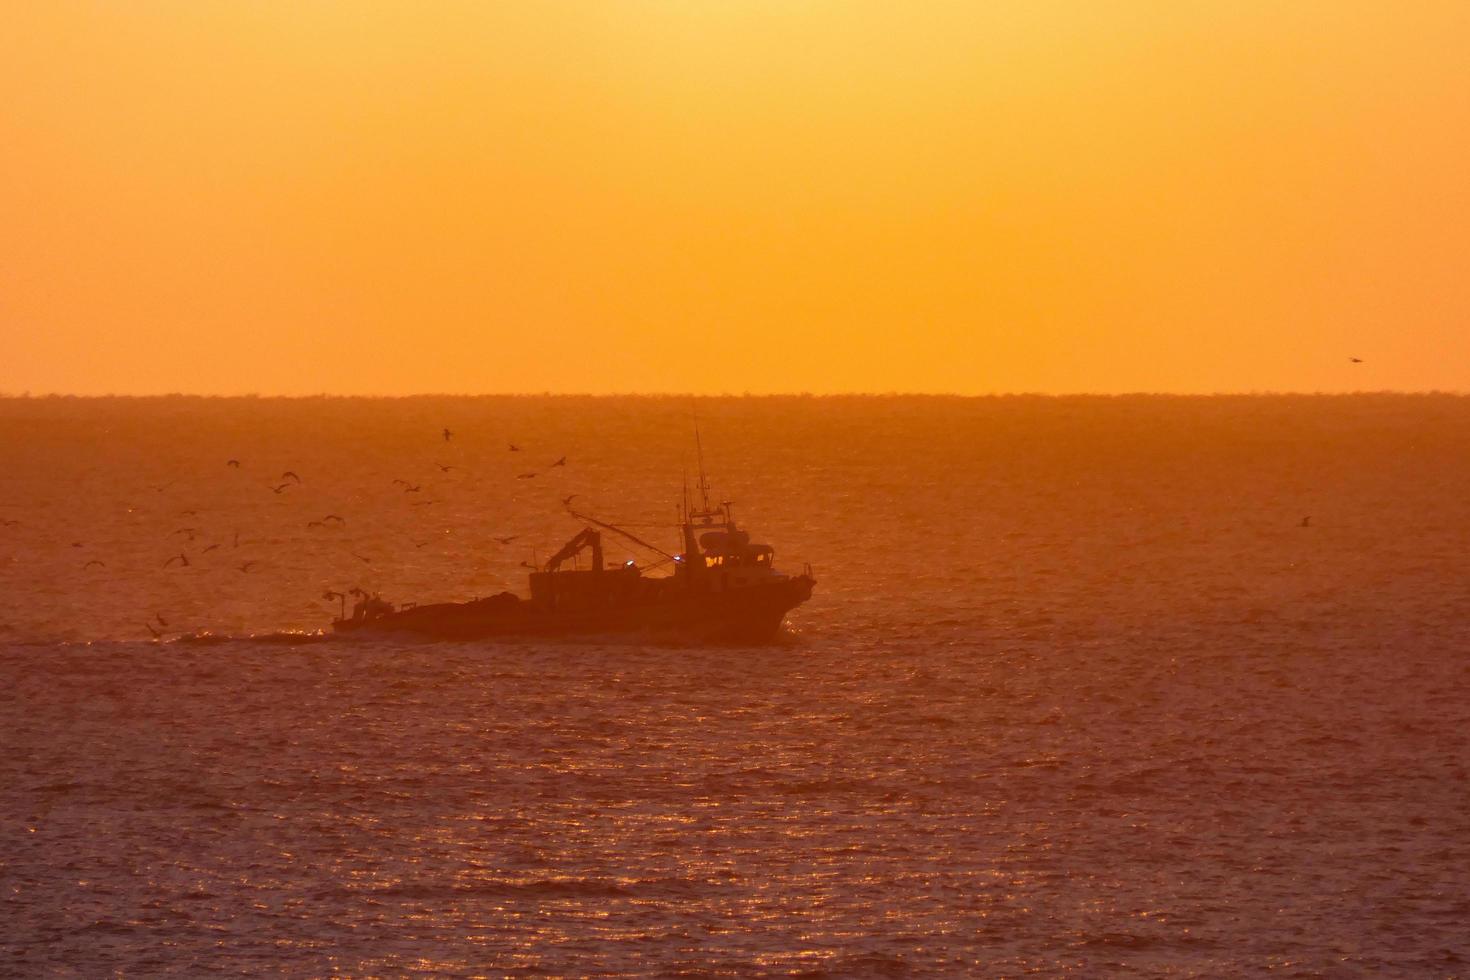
[{"x": 722, "y": 196}]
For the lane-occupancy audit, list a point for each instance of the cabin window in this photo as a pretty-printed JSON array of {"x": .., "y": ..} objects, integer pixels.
[{"x": 764, "y": 559}]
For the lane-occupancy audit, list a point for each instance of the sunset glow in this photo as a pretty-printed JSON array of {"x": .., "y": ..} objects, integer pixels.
[{"x": 718, "y": 197}]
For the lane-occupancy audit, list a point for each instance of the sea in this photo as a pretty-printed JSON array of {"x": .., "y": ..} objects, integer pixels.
[{"x": 1139, "y": 686}]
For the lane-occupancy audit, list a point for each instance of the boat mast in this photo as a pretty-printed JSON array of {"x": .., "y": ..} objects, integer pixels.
[
  {"x": 703, "y": 483},
  {"x": 693, "y": 564}
]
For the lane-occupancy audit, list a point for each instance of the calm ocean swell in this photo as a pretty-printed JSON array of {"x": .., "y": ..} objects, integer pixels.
[{"x": 1076, "y": 694}]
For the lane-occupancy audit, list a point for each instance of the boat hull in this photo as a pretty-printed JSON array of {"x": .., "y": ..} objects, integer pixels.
[{"x": 749, "y": 615}]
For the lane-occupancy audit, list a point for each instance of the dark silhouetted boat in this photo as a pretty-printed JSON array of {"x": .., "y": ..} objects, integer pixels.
[{"x": 722, "y": 588}]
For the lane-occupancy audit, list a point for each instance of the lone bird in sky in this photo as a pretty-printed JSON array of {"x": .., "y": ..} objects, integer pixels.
[
  {"x": 209, "y": 549},
  {"x": 508, "y": 540},
  {"x": 334, "y": 517},
  {"x": 246, "y": 566},
  {"x": 180, "y": 557},
  {"x": 364, "y": 560},
  {"x": 95, "y": 562},
  {"x": 567, "y": 500},
  {"x": 1356, "y": 360},
  {"x": 514, "y": 448},
  {"x": 526, "y": 476},
  {"x": 413, "y": 489},
  {"x": 160, "y": 489},
  {"x": 280, "y": 489},
  {"x": 312, "y": 524},
  {"x": 156, "y": 635},
  {"x": 1306, "y": 521},
  {"x": 443, "y": 468},
  {"x": 190, "y": 531},
  {"x": 292, "y": 475},
  {"x": 447, "y": 434},
  {"x": 233, "y": 462},
  {"x": 9, "y": 523},
  {"x": 560, "y": 462}
]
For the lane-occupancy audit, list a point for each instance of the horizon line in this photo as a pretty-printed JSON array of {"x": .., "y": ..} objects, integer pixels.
[{"x": 249, "y": 395}]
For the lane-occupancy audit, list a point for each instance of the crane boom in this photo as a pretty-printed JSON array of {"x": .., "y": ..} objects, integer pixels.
[{"x": 617, "y": 530}]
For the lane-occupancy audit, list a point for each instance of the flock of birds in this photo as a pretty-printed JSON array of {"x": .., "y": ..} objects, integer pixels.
[
  {"x": 290, "y": 479},
  {"x": 285, "y": 483}
]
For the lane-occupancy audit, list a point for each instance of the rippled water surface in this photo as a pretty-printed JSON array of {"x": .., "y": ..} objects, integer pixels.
[{"x": 1077, "y": 692}]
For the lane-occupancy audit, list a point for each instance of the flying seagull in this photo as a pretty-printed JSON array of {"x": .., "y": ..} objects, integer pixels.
[
  {"x": 95, "y": 562},
  {"x": 444, "y": 468},
  {"x": 1306, "y": 521},
  {"x": 156, "y": 635},
  {"x": 180, "y": 557},
  {"x": 334, "y": 517},
  {"x": 526, "y": 476},
  {"x": 246, "y": 566},
  {"x": 567, "y": 500},
  {"x": 233, "y": 462},
  {"x": 280, "y": 489},
  {"x": 560, "y": 462},
  {"x": 292, "y": 475},
  {"x": 508, "y": 540},
  {"x": 1356, "y": 360}
]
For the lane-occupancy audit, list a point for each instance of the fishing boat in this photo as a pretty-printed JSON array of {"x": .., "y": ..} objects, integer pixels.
[{"x": 720, "y": 588}]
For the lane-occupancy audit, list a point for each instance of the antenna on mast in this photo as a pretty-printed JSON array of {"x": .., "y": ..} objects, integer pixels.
[{"x": 703, "y": 483}]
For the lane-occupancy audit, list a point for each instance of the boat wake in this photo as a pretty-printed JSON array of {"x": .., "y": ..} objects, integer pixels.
[{"x": 204, "y": 638}]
